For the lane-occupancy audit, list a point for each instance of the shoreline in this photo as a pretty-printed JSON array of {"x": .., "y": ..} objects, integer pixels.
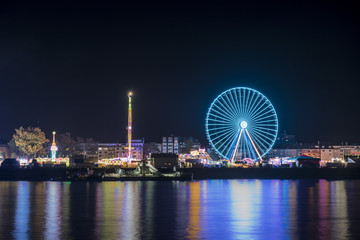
[{"x": 184, "y": 174}]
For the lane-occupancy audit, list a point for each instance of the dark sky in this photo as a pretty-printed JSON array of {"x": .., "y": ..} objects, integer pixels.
[{"x": 68, "y": 67}]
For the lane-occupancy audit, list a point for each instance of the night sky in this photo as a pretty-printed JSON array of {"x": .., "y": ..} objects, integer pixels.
[{"x": 69, "y": 67}]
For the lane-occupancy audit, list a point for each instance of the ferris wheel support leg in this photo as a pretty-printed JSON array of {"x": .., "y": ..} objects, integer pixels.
[
  {"x": 254, "y": 145},
  {"x": 237, "y": 144}
]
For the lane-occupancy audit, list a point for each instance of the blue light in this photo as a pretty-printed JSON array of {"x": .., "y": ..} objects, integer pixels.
[{"x": 241, "y": 108}]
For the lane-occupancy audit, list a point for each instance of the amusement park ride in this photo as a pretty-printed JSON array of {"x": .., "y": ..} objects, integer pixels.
[
  {"x": 129, "y": 128},
  {"x": 241, "y": 124},
  {"x": 129, "y": 156},
  {"x": 53, "y": 148}
]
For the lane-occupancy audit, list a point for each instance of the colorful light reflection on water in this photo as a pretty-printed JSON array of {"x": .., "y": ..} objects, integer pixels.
[{"x": 210, "y": 209}]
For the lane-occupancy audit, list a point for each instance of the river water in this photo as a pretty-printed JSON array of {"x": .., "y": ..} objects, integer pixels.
[{"x": 208, "y": 209}]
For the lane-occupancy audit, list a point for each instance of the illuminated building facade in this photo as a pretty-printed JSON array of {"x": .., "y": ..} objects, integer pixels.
[
  {"x": 111, "y": 150},
  {"x": 120, "y": 150},
  {"x": 284, "y": 152},
  {"x": 325, "y": 153},
  {"x": 170, "y": 145},
  {"x": 311, "y": 152}
]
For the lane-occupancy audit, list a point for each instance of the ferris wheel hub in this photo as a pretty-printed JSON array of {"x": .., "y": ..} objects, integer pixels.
[{"x": 243, "y": 124}]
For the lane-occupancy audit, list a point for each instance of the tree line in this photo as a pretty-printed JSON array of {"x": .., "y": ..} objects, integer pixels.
[{"x": 31, "y": 142}]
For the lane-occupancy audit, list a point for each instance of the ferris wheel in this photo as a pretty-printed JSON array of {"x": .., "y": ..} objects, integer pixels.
[{"x": 241, "y": 123}]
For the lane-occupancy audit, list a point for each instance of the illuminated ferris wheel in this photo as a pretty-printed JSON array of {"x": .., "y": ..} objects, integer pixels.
[{"x": 241, "y": 123}]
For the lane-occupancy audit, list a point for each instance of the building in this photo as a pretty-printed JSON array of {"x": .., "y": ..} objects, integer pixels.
[
  {"x": 327, "y": 154},
  {"x": 170, "y": 145},
  {"x": 118, "y": 150},
  {"x": 284, "y": 152},
  {"x": 164, "y": 160},
  {"x": 311, "y": 152},
  {"x": 348, "y": 149},
  {"x": 111, "y": 150},
  {"x": 138, "y": 148},
  {"x": 306, "y": 161}
]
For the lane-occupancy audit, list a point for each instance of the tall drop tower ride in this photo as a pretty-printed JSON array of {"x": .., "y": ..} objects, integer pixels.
[
  {"x": 53, "y": 148},
  {"x": 129, "y": 128}
]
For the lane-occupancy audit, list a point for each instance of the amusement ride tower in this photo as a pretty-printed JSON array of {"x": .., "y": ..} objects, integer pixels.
[
  {"x": 53, "y": 148},
  {"x": 129, "y": 128}
]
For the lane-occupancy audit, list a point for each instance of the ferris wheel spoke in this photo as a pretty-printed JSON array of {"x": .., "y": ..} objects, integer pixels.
[
  {"x": 233, "y": 146},
  {"x": 253, "y": 144},
  {"x": 259, "y": 110},
  {"x": 229, "y": 146},
  {"x": 266, "y": 129},
  {"x": 234, "y": 101},
  {"x": 218, "y": 124},
  {"x": 266, "y": 121},
  {"x": 221, "y": 117},
  {"x": 264, "y": 115},
  {"x": 220, "y": 128},
  {"x": 237, "y": 93},
  {"x": 244, "y": 100},
  {"x": 262, "y": 111},
  {"x": 267, "y": 134},
  {"x": 251, "y": 150},
  {"x": 226, "y": 109},
  {"x": 255, "y": 107},
  {"x": 266, "y": 149},
  {"x": 261, "y": 138},
  {"x": 217, "y": 135},
  {"x": 252, "y": 102},
  {"x": 263, "y": 135},
  {"x": 265, "y": 118},
  {"x": 241, "y": 99},
  {"x": 229, "y": 105},
  {"x": 249, "y": 103},
  {"x": 259, "y": 143},
  {"x": 226, "y": 143},
  {"x": 257, "y": 101},
  {"x": 217, "y": 120},
  {"x": 248, "y": 93},
  {"x": 223, "y": 114},
  {"x": 266, "y": 125}
]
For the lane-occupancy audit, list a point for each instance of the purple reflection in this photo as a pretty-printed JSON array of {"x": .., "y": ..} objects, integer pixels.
[
  {"x": 22, "y": 211},
  {"x": 53, "y": 206}
]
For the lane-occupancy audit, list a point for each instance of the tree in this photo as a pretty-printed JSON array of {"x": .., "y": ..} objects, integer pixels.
[
  {"x": 13, "y": 149},
  {"x": 66, "y": 144},
  {"x": 30, "y": 141},
  {"x": 190, "y": 144},
  {"x": 86, "y": 146}
]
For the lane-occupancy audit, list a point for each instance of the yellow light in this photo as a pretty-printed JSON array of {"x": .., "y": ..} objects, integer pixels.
[{"x": 130, "y": 94}]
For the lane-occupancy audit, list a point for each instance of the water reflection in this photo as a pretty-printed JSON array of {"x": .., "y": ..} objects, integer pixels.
[
  {"x": 212, "y": 209},
  {"x": 22, "y": 211}
]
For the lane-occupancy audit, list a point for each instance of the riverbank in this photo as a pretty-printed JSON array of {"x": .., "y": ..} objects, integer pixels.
[
  {"x": 66, "y": 174},
  {"x": 274, "y": 173}
]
